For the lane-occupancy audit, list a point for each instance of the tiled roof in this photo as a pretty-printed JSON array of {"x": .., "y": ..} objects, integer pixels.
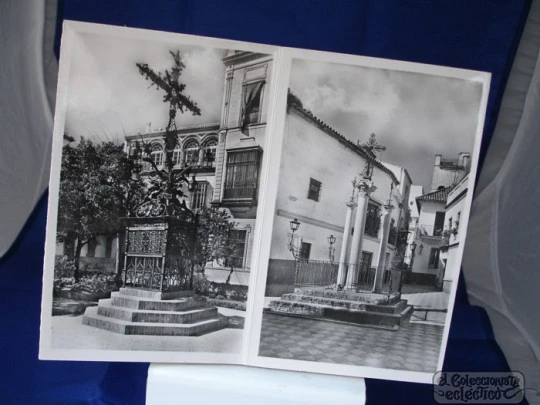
[
  {"x": 436, "y": 196},
  {"x": 294, "y": 102}
]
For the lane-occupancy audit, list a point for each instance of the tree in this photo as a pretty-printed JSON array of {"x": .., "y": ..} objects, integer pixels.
[
  {"x": 214, "y": 226},
  {"x": 96, "y": 190},
  {"x": 168, "y": 181}
]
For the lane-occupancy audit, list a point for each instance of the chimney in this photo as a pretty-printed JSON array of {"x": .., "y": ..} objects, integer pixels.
[
  {"x": 438, "y": 157},
  {"x": 466, "y": 160}
]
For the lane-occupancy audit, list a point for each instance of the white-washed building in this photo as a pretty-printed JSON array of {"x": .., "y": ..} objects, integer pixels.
[{"x": 318, "y": 166}]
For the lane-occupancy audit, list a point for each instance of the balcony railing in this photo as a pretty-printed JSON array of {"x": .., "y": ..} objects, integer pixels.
[{"x": 430, "y": 230}]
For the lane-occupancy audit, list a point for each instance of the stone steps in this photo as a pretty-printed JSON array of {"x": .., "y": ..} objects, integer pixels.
[
  {"x": 92, "y": 318},
  {"x": 117, "y": 299},
  {"x": 141, "y": 312},
  {"x": 328, "y": 306},
  {"x": 353, "y": 305},
  {"x": 366, "y": 297},
  {"x": 105, "y": 308}
]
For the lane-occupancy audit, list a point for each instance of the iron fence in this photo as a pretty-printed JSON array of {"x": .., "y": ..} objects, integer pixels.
[{"x": 314, "y": 273}]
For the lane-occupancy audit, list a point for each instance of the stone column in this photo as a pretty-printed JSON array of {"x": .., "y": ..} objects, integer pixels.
[
  {"x": 345, "y": 242},
  {"x": 365, "y": 188},
  {"x": 385, "y": 222}
]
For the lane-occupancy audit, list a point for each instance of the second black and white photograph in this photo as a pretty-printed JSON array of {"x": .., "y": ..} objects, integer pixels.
[{"x": 370, "y": 215}]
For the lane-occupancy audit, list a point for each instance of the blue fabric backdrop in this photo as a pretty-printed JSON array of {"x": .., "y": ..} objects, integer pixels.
[{"x": 472, "y": 34}]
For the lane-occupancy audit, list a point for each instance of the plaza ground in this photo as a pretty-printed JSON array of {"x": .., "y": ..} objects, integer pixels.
[{"x": 414, "y": 347}]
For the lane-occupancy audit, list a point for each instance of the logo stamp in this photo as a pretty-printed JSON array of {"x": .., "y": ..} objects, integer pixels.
[{"x": 478, "y": 387}]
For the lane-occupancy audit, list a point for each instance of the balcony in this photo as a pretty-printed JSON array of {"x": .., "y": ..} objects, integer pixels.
[{"x": 430, "y": 231}]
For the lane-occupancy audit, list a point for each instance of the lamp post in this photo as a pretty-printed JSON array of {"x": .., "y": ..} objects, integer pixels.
[
  {"x": 331, "y": 248},
  {"x": 294, "y": 244}
]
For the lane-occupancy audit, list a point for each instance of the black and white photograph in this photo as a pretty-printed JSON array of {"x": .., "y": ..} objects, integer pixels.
[
  {"x": 159, "y": 141},
  {"x": 373, "y": 194}
]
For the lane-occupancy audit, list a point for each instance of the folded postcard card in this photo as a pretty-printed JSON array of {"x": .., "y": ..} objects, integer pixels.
[{"x": 215, "y": 201}]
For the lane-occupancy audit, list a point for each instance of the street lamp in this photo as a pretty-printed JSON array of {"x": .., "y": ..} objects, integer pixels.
[
  {"x": 331, "y": 248},
  {"x": 294, "y": 243},
  {"x": 192, "y": 184}
]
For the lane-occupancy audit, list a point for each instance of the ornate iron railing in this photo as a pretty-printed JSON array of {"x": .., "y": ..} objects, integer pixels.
[
  {"x": 315, "y": 273},
  {"x": 158, "y": 254}
]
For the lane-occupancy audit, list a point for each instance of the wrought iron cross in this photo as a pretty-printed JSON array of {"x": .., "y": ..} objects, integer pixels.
[{"x": 372, "y": 145}]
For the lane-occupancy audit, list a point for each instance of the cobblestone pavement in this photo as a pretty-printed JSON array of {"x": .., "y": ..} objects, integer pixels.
[{"x": 414, "y": 348}]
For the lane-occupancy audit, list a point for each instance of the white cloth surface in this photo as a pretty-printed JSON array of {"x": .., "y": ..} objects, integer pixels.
[
  {"x": 502, "y": 252},
  {"x": 25, "y": 114}
]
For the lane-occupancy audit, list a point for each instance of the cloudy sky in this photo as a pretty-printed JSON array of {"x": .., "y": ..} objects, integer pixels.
[
  {"x": 109, "y": 99},
  {"x": 414, "y": 115}
]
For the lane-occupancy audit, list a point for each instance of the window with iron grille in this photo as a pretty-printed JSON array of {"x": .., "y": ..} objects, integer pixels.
[
  {"x": 198, "y": 196},
  {"x": 314, "y": 191},
  {"x": 373, "y": 220},
  {"x": 242, "y": 174},
  {"x": 237, "y": 242}
]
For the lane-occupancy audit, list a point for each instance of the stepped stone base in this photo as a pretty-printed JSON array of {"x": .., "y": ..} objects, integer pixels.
[
  {"x": 361, "y": 308},
  {"x": 132, "y": 311}
]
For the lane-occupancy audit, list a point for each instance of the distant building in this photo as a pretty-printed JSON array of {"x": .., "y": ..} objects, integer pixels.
[
  {"x": 437, "y": 227},
  {"x": 447, "y": 172}
]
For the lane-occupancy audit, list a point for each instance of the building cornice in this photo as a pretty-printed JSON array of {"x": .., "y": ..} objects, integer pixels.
[
  {"x": 243, "y": 57},
  {"x": 214, "y": 126}
]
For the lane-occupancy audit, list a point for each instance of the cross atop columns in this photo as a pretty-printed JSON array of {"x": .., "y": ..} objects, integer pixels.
[{"x": 372, "y": 145}]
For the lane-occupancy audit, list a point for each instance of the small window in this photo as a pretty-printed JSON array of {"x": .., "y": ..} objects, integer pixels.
[
  {"x": 198, "y": 196},
  {"x": 314, "y": 192},
  {"x": 157, "y": 154},
  {"x": 191, "y": 153},
  {"x": 438, "y": 226},
  {"x": 209, "y": 153},
  {"x": 305, "y": 251},
  {"x": 237, "y": 241},
  {"x": 251, "y": 103},
  {"x": 177, "y": 156},
  {"x": 91, "y": 248}
]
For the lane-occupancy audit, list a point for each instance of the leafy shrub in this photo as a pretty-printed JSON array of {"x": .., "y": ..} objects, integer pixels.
[
  {"x": 64, "y": 267},
  {"x": 201, "y": 284},
  {"x": 228, "y": 291},
  {"x": 90, "y": 284},
  {"x": 96, "y": 283}
]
